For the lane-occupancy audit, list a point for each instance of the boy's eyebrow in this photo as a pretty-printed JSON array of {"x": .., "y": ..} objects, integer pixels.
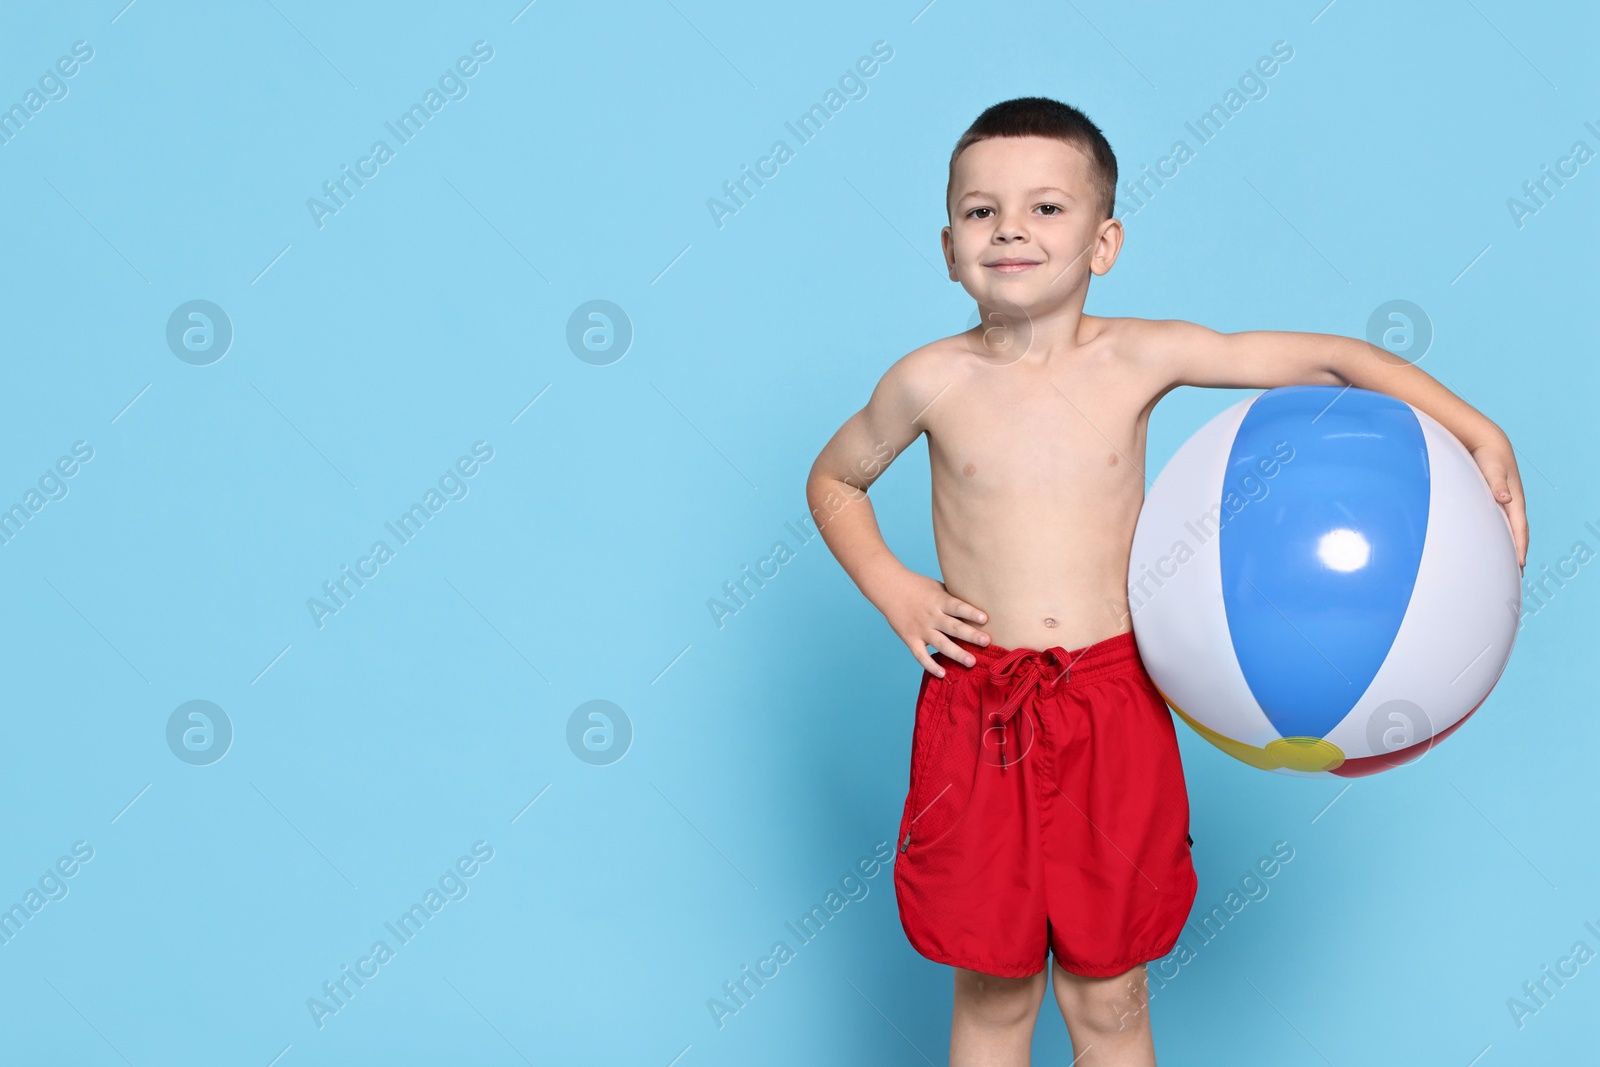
[{"x": 1042, "y": 189}]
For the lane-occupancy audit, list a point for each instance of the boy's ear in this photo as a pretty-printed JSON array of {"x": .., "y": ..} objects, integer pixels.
[
  {"x": 946, "y": 243},
  {"x": 1108, "y": 242}
]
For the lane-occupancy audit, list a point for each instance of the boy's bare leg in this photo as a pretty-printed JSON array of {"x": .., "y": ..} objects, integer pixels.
[
  {"x": 992, "y": 1022},
  {"x": 1108, "y": 1019}
]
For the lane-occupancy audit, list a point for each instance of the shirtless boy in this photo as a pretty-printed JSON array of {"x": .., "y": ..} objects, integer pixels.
[{"x": 1047, "y": 812}]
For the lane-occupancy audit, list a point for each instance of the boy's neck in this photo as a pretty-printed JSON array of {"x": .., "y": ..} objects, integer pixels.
[{"x": 1041, "y": 333}]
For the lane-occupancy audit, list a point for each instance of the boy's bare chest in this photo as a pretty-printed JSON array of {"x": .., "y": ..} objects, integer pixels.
[{"x": 1040, "y": 435}]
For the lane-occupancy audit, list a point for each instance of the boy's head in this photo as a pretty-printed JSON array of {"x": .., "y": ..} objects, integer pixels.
[
  {"x": 1030, "y": 199},
  {"x": 1038, "y": 116}
]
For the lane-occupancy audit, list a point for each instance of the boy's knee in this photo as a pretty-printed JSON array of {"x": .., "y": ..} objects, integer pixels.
[
  {"x": 998, "y": 1002},
  {"x": 1103, "y": 1006}
]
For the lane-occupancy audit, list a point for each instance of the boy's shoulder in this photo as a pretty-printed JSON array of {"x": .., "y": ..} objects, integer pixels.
[
  {"x": 911, "y": 384},
  {"x": 944, "y": 354},
  {"x": 1127, "y": 336},
  {"x": 916, "y": 379},
  {"x": 1116, "y": 336}
]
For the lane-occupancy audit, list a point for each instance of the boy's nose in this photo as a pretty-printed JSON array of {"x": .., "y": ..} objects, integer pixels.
[{"x": 1010, "y": 229}]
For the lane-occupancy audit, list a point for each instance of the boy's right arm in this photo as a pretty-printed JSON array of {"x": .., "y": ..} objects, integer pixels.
[{"x": 919, "y": 609}]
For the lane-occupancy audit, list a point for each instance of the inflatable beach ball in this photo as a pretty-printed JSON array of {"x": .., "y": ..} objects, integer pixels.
[{"x": 1322, "y": 583}]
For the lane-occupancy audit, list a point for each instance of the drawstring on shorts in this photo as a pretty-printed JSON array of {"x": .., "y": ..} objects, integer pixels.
[{"x": 1025, "y": 672}]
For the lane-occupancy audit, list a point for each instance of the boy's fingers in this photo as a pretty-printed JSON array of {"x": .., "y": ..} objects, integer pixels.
[
  {"x": 1516, "y": 512},
  {"x": 962, "y": 610},
  {"x": 919, "y": 650},
  {"x": 1519, "y": 530},
  {"x": 950, "y": 648},
  {"x": 956, "y": 628},
  {"x": 1519, "y": 517}
]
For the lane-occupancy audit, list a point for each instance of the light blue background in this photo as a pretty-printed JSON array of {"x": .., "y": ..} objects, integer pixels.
[{"x": 770, "y": 754}]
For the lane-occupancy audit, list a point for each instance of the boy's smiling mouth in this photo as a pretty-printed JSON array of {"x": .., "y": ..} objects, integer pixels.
[{"x": 1012, "y": 266}]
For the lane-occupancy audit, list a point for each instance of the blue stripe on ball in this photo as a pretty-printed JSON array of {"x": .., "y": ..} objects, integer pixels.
[{"x": 1319, "y": 558}]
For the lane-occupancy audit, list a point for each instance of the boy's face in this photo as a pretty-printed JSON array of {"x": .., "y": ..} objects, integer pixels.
[{"x": 1026, "y": 227}]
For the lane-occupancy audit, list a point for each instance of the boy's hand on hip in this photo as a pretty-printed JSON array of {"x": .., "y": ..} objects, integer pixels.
[
  {"x": 922, "y": 612},
  {"x": 1499, "y": 466}
]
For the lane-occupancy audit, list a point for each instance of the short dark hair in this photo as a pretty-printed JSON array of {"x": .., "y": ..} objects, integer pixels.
[{"x": 1038, "y": 116}]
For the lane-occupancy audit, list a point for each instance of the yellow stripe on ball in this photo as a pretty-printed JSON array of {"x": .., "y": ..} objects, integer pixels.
[
  {"x": 1306, "y": 753},
  {"x": 1292, "y": 753}
]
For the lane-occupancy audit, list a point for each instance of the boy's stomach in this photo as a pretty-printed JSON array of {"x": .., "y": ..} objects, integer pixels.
[
  {"x": 1037, "y": 620},
  {"x": 1042, "y": 588}
]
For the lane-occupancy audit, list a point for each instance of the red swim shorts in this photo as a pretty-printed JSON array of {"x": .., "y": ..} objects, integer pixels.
[{"x": 1047, "y": 811}]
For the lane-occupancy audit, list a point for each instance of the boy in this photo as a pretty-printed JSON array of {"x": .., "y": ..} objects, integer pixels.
[{"x": 1047, "y": 810}]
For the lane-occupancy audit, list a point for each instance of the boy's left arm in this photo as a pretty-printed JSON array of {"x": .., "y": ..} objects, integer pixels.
[{"x": 1183, "y": 353}]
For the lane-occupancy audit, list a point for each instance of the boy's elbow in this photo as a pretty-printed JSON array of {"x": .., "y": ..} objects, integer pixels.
[
  {"x": 1347, "y": 361},
  {"x": 819, "y": 482}
]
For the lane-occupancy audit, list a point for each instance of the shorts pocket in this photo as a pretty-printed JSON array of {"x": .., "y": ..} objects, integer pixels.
[{"x": 944, "y": 762}]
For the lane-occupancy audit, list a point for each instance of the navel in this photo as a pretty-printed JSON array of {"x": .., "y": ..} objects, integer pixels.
[{"x": 1050, "y": 623}]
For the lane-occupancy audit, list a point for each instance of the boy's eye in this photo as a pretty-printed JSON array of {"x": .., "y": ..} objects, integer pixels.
[
  {"x": 1050, "y": 209},
  {"x": 974, "y": 212}
]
